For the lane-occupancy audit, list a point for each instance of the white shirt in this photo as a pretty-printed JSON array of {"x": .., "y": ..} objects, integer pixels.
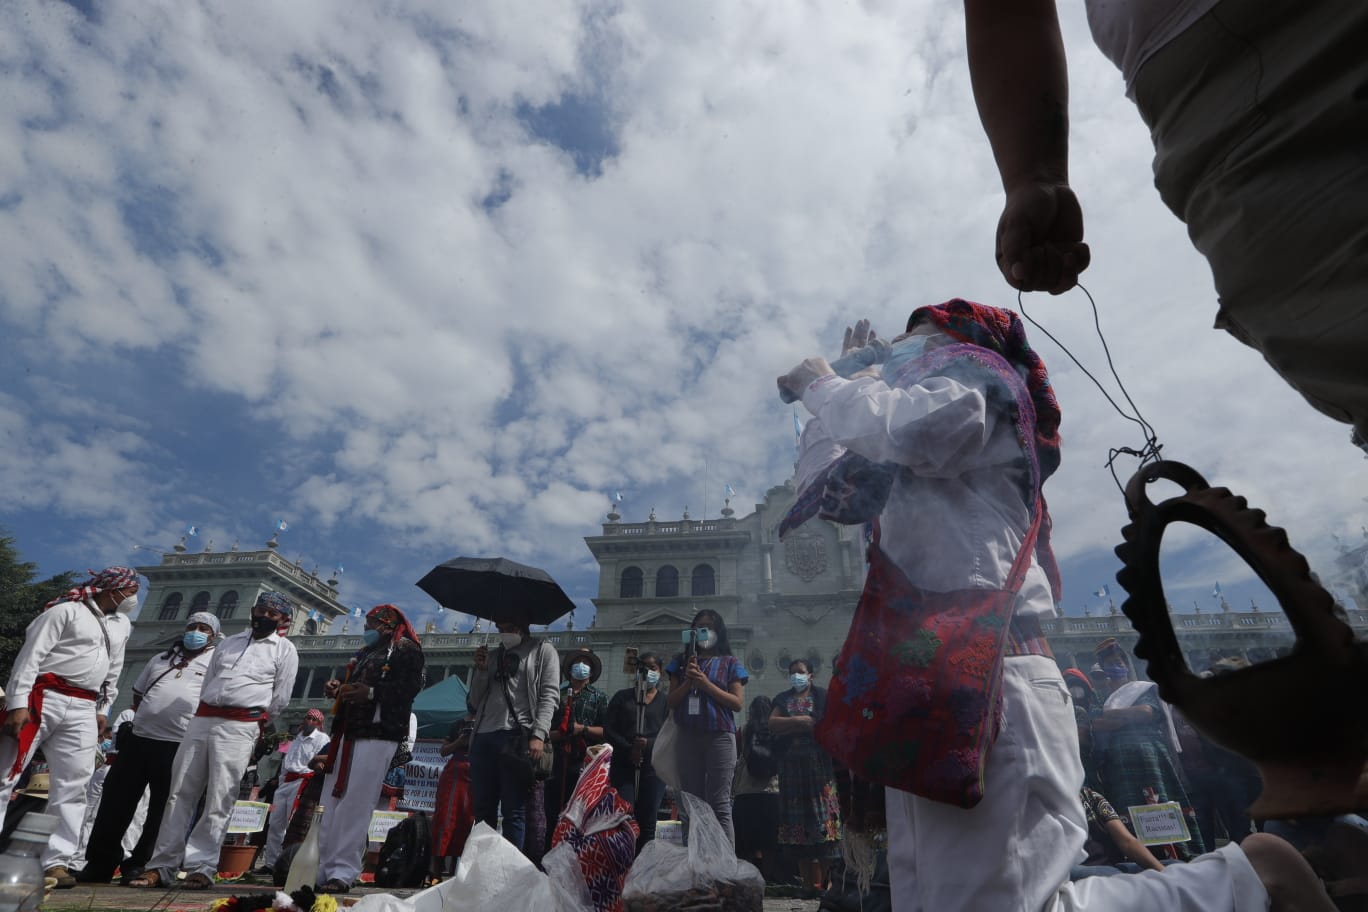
[
  {"x": 1130, "y": 32},
  {"x": 303, "y": 749},
  {"x": 68, "y": 640},
  {"x": 250, "y": 674},
  {"x": 957, "y": 519},
  {"x": 164, "y": 711}
]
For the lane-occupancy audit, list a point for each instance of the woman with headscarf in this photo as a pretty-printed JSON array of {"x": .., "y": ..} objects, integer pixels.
[
  {"x": 945, "y": 447},
  {"x": 370, "y": 720}
]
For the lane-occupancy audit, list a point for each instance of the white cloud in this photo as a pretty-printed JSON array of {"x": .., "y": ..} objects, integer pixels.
[{"x": 308, "y": 238}]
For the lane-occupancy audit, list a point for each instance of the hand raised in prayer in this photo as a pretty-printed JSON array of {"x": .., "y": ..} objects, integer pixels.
[
  {"x": 796, "y": 381},
  {"x": 856, "y": 338}
]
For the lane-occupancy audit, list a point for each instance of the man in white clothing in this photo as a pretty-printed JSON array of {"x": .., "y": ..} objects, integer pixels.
[
  {"x": 961, "y": 426},
  {"x": 249, "y": 679},
  {"x": 62, "y": 683},
  {"x": 294, "y": 773},
  {"x": 165, "y": 697}
]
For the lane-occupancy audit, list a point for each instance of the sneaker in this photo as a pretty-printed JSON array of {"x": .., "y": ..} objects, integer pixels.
[{"x": 63, "y": 877}]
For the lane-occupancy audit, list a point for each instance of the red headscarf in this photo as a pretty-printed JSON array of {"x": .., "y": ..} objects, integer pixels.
[
  {"x": 110, "y": 579},
  {"x": 1001, "y": 331},
  {"x": 391, "y": 616}
]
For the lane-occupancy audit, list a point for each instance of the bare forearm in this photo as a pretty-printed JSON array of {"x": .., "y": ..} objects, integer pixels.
[{"x": 1021, "y": 87}]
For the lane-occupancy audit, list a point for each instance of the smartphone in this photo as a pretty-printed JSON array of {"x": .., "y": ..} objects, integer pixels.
[{"x": 629, "y": 660}]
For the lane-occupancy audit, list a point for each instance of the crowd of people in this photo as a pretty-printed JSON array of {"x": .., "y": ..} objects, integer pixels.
[{"x": 150, "y": 797}]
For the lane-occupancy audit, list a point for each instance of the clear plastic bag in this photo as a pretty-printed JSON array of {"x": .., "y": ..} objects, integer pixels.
[{"x": 705, "y": 874}]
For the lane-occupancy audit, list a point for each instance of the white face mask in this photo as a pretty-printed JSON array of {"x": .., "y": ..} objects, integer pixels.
[
  {"x": 510, "y": 640},
  {"x": 127, "y": 605},
  {"x": 798, "y": 680},
  {"x": 652, "y": 678},
  {"x": 707, "y": 638}
]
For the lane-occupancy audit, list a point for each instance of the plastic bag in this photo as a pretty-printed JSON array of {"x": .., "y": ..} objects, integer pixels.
[
  {"x": 493, "y": 876},
  {"x": 706, "y": 874},
  {"x": 665, "y": 754}
]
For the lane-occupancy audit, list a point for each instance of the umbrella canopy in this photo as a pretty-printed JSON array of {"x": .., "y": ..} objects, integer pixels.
[
  {"x": 440, "y": 707},
  {"x": 497, "y": 589}
]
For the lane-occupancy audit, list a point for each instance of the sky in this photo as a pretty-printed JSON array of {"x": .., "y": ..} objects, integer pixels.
[{"x": 427, "y": 279}]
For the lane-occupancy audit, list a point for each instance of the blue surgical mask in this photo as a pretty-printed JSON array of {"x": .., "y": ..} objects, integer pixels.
[
  {"x": 652, "y": 678},
  {"x": 909, "y": 349},
  {"x": 106, "y": 746},
  {"x": 194, "y": 639},
  {"x": 798, "y": 680},
  {"x": 370, "y": 637},
  {"x": 579, "y": 671}
]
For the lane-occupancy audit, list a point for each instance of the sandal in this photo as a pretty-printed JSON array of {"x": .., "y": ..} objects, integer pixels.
[
  {"x": 333, "y": 886},
  {"x": 144, "y": 880},
  {"x": 197, "y": 881},
  {"x": 432, "y": 880}
]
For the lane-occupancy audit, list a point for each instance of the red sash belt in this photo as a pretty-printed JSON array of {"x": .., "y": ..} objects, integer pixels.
[
  {"x": 295, "y": 777},
  {"x": 29, "y": 731},
  {"x": 235, "y": 713},
  {"x": 1026, "y": 637}
]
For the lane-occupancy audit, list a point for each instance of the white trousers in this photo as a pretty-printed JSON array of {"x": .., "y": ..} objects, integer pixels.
[
  {"x": 94, "y": 789},
  {"x": 1015, "y": 849},
  {"x": 68, "y": 734},
  {"x": 281, "y": 805},
  {"x": 210, "y": 761},
  {"x": 346, "y": 820}
]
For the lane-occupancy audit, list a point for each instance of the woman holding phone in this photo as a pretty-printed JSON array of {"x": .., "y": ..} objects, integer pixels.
[{"x": 707, "y": 690}]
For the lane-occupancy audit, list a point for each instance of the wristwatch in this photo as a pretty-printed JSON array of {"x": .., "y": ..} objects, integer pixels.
[{"x": 370, "y": 694}]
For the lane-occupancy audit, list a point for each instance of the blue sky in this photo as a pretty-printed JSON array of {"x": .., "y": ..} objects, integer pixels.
[{"x": 428, "y": 281}]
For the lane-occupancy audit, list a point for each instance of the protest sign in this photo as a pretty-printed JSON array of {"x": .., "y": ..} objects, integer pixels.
[
  {"x": 248, "y": 816},
  {"x": 1159, "y": 824},
  {"x": 382, "y": 822},
  {"x": 421, "y": 774}
]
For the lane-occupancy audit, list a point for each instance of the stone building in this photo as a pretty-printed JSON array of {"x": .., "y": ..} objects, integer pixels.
[{"x": 780, "y": 600}]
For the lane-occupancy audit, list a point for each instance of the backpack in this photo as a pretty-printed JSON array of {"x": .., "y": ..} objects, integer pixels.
[{"x": 404, "y": 856}]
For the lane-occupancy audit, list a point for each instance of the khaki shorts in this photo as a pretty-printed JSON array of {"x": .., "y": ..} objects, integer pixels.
[{"x": 1259, "y": 114}]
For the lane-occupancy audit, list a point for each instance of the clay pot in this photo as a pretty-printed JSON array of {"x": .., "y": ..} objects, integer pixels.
[
  {"x": 236, "y": 859},
  {"x": 1302, "y": 719}
]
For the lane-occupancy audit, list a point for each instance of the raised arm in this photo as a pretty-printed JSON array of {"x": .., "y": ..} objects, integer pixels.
[{"x": 1021, "y": 87}]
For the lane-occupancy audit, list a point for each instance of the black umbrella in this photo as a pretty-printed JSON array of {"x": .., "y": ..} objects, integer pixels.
[{"x": 497, "y": 589}]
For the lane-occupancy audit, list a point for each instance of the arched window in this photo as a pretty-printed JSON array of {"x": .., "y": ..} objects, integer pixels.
[
  {"x": 667, "y": 582},
  {"x": 704, "y": 581},
  {"x": 630, "y": 587},
  {"x": 200, "y": 603},
  {"x": 171, "y": 607},
  {"x": 227, "y": 606}
]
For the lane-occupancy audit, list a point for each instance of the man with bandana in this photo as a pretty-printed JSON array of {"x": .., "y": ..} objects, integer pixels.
[
  {"x": 295, "y": 771},
  {"x": 165, "y": 697},
  {"x": 60, "y": 688},
  {"x": 248, "y": 681},
  {"x": 944, "y": 448},
  {"x": 371, "y": 719}
]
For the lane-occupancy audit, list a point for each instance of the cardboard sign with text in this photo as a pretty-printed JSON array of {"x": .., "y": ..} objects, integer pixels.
[
  {"x": 1159, "y": 824},
  {"x": 421, "y": 774},
  {"x": 248, "y": 816}
]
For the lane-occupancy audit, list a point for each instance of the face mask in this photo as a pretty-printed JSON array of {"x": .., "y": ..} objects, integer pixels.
[
  {"x": 510, "y": 640},
  {"x": 127, "y": 605},
  {"x": 909, "y": 349},
  {"x": 579, "y": 671},
  {"x": 194, "y": 639},
  {"x": 706, "y": 638},
  {"x": 798, "y": 680},
  {"x": 370, "y": 637},
  {"x": 652, "y": 678},
  {"x": 106, "y": 746},
  {"x": 263, "y": 626}
]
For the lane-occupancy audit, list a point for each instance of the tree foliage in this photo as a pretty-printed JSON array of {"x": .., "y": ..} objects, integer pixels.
[{"x": 22, "y": 596}]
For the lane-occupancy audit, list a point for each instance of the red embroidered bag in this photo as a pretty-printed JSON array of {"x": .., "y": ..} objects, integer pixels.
[{"x": 917, "y": 694}]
